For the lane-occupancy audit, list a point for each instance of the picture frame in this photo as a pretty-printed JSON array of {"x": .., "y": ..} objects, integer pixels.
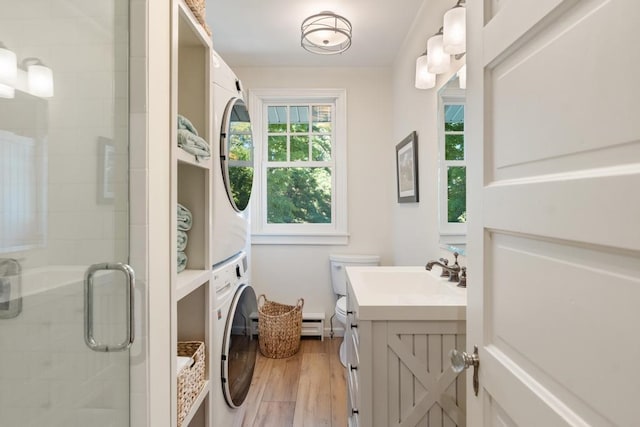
[
  {"x": 106, "y": 171},
  {"x": 407, "y": 169}
]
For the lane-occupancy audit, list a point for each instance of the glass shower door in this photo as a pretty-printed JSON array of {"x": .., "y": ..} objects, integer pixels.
[{"x": 65, "y": 289}]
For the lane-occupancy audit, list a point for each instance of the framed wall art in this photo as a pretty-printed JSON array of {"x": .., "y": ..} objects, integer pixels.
[{"x": 407, "y": 169}]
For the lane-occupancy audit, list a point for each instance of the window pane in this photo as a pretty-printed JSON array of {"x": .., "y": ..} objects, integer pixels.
[
  {"x": 454, "y": 117},
  {"x": 299, "y": 119},
  {"x": 277, "y": 119},
  {"x": 454, "y": 147},
  {"x": 457, "y": 194},
  {"x": 277, "y": 149},
  {"x": 299, "y": 148},
  {"x": 322, "y": 118},
  {"x": 299, "y": 195},
  {"x": 321, "y": 149}
]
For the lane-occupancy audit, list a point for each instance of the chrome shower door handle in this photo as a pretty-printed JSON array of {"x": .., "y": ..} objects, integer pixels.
[{"x": 89, "y": 338}]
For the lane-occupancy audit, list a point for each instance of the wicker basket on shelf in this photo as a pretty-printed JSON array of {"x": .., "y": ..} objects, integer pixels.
[
  {"x": 199, "y": 11},
  {"x": 190, "y": 378},
  {"x": 279, "y": 328}
]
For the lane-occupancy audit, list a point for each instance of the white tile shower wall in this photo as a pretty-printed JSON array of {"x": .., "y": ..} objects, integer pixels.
[{"x": 85, "y": 44}]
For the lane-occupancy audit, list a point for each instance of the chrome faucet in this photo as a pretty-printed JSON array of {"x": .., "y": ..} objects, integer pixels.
[{"x": 453, "y": 270}]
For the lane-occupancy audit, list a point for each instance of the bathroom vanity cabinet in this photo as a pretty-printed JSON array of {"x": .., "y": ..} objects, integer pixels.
[
  {"x": 398, "y": 343},
  {"x": 191, "y": 178}
]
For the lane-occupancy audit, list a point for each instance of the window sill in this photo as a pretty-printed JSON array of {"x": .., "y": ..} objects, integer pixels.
[{"x": 300, "y": 239}]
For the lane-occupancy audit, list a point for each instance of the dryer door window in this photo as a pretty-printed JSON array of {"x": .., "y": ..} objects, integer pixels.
[
  {"x": 239, "y": 348},
  {"x": 236, "y": 148}
]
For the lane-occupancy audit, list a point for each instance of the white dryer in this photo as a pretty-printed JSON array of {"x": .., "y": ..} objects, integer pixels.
[
  {"x": 235, "y": 348},
  {"x": 233, "y": 164}
]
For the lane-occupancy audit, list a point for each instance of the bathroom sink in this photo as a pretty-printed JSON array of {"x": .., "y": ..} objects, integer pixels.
[{"x": 405, "y": 293}]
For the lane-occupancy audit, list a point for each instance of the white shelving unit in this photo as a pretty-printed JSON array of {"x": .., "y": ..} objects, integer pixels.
[{"x": 191, "y": 186}]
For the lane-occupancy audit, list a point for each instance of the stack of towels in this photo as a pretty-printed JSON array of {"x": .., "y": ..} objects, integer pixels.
[
  {"x": 189, "y": 140},
  {"x": 185, "y": 221}
]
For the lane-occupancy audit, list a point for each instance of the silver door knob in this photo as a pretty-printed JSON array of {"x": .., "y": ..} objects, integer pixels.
[{"x": 461, "y": 360}]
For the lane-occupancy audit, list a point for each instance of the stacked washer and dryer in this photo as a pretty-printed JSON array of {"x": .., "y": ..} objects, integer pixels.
[{"x": 234, "y": 349}]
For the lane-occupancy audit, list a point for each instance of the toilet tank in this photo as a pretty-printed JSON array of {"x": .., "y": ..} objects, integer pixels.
[{"x": 340, "y": 261}]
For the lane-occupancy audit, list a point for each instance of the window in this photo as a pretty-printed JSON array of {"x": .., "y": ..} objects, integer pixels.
[
  {"x": 300, "y": 194},
  {"x": 453, "y": 170}
]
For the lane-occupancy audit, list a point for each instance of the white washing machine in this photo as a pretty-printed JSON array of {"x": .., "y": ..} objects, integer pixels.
[
  {"x": 233, "y": 164},
  {"x": 235, "y": 348}
]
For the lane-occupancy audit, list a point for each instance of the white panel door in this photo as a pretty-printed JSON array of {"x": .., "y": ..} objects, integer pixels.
[{"x": 554, "y": 196}]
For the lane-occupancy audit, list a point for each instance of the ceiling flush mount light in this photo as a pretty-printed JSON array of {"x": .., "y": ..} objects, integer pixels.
[
  {"x": 454, "y": 34},
  {"x": 424, "y": 79},
  {"x": 39, "y": 78},
  {"x": 326, "y": 33}
]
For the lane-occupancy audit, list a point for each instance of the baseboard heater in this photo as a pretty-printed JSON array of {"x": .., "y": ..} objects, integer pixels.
[{"x": 312, "y": 324}]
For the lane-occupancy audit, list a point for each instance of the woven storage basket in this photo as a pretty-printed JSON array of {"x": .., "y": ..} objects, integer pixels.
[
  {"x": 198, "y": 9},
  {"x": 190, "y": 379},
  {"x": 279, "y": 328}
]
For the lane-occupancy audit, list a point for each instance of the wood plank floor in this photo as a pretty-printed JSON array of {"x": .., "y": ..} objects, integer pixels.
[{"x": 305, "y": 390}]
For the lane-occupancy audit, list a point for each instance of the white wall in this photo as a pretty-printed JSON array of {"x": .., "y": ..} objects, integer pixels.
[
  {"x": 286, "y": 272},
  {"x": 415, "y": 225}
]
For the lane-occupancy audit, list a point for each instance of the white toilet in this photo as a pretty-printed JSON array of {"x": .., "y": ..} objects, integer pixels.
[{"x": 339, "y": 282}]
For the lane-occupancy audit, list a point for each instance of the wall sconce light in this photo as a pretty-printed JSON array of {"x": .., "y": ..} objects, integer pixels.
[
  {"x": 32, "y": 73},
  {"x": 8, "y": 72},
  {"x": 437, "y": 61},
  {"x": 449, "y": 40},
  {"x": 39, "y": 78},
  {"x": 454, "y": 36},
  {"x": 424, "y": 79},
  {"x": 326, "y": 34}
]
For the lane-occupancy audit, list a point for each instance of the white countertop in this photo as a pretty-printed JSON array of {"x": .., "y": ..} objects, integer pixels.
[{"x": 405, "y": 293}]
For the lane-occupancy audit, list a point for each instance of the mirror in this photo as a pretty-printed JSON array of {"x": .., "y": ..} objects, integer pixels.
[
  {"x": 452, "y": 166},
  {"x": 236, "y": 147}
]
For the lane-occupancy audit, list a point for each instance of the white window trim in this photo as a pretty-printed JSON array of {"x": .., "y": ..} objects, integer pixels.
[
  {"x": 300, "y": 234},
  {"x": 450, "y": 233}
]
